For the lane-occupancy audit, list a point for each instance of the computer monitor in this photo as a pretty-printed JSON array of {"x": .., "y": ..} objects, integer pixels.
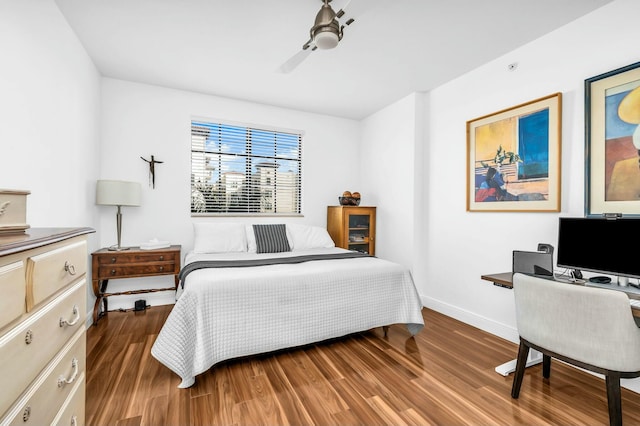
[
  {"x": 533, "y": 263},
  {"x": 600, "y": 245}
]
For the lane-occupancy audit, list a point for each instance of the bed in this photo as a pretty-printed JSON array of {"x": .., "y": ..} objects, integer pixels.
[{"x": 244, "y": 291}]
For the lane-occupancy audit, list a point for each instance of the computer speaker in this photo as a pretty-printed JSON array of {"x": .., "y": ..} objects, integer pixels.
[{"x": 546, "y": 248}]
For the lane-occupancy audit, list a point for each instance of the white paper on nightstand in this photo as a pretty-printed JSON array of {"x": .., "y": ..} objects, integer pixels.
[{"x": 154, "y": 244}]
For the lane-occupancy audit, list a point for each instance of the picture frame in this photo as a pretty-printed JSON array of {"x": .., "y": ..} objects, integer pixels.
[
  {"x": 513, "y": 158},
  {"x": 612, "y": 143}
]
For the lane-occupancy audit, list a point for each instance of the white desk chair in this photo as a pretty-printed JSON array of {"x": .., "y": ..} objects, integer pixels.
[{"x": 591, "y": 328}]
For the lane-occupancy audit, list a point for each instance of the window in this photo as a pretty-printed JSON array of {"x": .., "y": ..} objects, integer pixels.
[{"x": 237, "y": 170}]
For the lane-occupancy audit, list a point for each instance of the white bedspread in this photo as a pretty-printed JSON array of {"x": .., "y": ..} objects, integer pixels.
[{"x": 224, "y": 313}]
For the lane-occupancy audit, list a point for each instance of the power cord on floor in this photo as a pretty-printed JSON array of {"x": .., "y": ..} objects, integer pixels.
[{"x": 131, "y": 309}]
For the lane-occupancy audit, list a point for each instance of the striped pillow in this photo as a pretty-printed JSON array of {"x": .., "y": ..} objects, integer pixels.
[{"x": 271, "y": 238}]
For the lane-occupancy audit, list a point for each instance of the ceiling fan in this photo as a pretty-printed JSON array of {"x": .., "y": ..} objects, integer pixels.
[{"x": 325, "y": 33}]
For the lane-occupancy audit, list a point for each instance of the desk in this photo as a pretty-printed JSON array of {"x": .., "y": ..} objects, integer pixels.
[{"x": 504, "y": 279}]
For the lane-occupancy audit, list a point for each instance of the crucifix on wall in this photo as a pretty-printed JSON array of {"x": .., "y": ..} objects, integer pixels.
[{"x": 152, "y": 170}]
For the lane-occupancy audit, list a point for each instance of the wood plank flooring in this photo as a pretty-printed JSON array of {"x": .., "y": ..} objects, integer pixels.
[{"x": 443, "y": 376}]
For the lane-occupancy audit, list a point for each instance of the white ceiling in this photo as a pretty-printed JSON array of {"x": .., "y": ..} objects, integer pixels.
[{"x": 233, "y": 48}]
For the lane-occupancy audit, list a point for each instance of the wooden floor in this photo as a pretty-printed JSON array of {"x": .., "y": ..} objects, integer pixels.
[{"x": 443, "y": 376}]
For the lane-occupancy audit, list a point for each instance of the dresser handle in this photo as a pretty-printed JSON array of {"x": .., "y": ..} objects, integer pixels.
[
  {"x": 76, "y": 313},
  {"x": 62, "y": 381},
  {"x": 28, "y": 337},
  {"x": 161, "y": 257},
  {"x": 69, "y": 268},
  {"x": 113, "y": 272},
  {"x": 113, "y": 260},
  {"x": 161, "y": 268}
]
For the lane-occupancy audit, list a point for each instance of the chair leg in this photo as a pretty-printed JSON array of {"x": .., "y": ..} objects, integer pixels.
[
  {"x": 521, "y": 365},
  {"x": 546, "y": 366},
  {"x": 614, "y": 398}
]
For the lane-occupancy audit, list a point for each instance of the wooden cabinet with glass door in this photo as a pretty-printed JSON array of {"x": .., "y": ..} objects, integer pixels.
[{"x": 353, "y": 227}]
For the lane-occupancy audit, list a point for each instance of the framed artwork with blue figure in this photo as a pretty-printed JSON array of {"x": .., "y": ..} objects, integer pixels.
[
  {"x": 612, "y": 139},
  {"x": 513, "y": 158}
]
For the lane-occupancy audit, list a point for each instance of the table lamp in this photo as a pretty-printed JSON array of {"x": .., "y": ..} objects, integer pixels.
[{"x": 118, "y": 193}]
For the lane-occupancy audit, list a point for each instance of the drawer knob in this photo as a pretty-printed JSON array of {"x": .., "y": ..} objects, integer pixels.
[
  {"x": 161, "y": 257},
  {"x": 69, "y": 268},
  {"x": 64, "y": 381},
  {"x": 76, "y": 314},
  {"x": 28, "y": 337},
  {"x": 161, "y": 268},
  {"x": 113, "y": 260},
  {"x": 113, "y": 272}
]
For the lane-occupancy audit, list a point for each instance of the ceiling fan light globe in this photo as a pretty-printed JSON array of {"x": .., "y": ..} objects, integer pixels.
[{"x": 326, "y": 39}]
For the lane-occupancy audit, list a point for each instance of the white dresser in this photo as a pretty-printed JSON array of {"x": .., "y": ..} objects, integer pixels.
[{"x": 43, "y": 326}]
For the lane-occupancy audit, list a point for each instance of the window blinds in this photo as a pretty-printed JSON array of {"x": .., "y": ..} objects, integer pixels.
[{"x": 237, "y": 169}]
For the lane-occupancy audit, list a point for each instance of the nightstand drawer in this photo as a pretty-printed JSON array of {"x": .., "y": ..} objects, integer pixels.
[
  {"x": 137, "y": 270},
  {"x": 49, "y": 272},
  {"x": 13, "y": 290},
  {"x": 28, "y": 347},
  {"x": 128, "y": 259}
]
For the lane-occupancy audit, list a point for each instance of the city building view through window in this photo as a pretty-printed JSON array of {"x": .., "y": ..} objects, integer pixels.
[{"x": 237, "y": 169}]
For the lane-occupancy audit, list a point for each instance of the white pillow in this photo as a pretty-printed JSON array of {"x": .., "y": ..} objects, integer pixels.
[
  {"x": 219, "y": 237},
  {"x": 252, "y": 247},
  {"x": 304, "y": 237}
]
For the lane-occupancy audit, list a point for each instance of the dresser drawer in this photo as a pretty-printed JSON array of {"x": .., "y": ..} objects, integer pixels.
[
  {"x": 49, "y": 272},
  {"x": 147, "y": 257},
  {"x": 27, "y": 348},
  {"x": 13, "y": 290},
  {"x": 73, "y": 411},
  {"x": 42, "y": 400}
]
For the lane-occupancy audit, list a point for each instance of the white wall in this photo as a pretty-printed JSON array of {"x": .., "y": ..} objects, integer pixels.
[
  {"x": 141, "y": 120},
  {"x": 461, "y": 246},
  {"x": 387, "y": 151},
  {"x": 49, "y": 104},
  {"x": 49, "y": 109}
]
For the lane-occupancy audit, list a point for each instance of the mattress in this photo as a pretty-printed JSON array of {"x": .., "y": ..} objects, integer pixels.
[{"x": 229, "y": 312}]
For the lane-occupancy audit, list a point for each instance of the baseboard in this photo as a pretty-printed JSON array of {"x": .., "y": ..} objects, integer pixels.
[
  {"x": 490, "y": 326},
  {"x": 127, "y": 301}
]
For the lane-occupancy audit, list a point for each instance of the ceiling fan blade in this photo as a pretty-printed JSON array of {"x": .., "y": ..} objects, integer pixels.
[
  {"x": 341, "y": 12},
  {"x": 297, "y": 59},
  {"x": 353, "y": 10}
]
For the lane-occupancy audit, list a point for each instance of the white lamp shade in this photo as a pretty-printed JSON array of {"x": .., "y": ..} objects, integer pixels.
[{"x": 118, "y": 193}]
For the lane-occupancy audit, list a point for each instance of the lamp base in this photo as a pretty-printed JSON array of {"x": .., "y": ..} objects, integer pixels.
[{"x": 116, "y": 248}]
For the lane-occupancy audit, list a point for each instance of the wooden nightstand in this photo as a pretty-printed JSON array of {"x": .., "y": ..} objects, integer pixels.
[{"x": 132, "y": 263}]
